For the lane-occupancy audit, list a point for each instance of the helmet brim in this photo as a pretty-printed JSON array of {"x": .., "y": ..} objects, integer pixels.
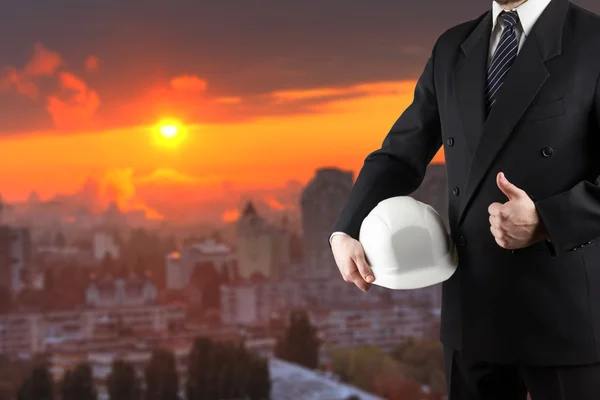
[{"x": 416, "y": 279}]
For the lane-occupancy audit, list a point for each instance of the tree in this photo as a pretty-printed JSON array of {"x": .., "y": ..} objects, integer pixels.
[
  {"x": 260, "y": 379},
  {"x": 197, "y": 381},
  {"x": 299, "y": 343},
  {"x": 392, "y": 386},
  {"x": 241, "y": 371},
  {"x": 423, "y": 362},
  {"x": 373, "y": 370},
  {"x": 162, "y": 380},
  {"x": 65, "y": 386},
  {"x": 217, "y": 371},
  {"x": 38, "y": 385},
  {"x": 7, "y": 391},
  {"x": 225, "y": 377},
  {"x": 221, "y": 371},
  {"x": 79, "y": 384},
  {"x": 14, "y": 372},
  {"x": 122, "y": 382}
]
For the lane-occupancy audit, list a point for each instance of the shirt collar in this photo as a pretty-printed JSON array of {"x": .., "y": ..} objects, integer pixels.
[{"x": 529, "y": 12}]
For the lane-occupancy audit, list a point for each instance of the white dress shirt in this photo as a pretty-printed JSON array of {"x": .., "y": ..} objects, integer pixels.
[{"x": 529, "y": 12}]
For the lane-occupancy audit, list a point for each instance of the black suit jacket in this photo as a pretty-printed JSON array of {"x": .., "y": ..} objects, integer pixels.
[{"x": 539, "y": 305}]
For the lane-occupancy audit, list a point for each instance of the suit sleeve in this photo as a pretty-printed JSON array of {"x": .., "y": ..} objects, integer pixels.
[
  {"x": 572, "y": 218},
  {"x": 398, "y": 167}
]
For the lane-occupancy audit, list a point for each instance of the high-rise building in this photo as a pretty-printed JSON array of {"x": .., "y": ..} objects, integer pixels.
[
  {"x": 262, "y": 248},
  {"x": 110, "y": 292},
  {"x": 322, "y": 200},
  {"x": 104, "y": 244},
  {"x": 15, "y": 257}
]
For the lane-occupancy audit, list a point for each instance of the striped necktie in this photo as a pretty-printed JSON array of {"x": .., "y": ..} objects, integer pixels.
[{"x": 503, "y": 58}]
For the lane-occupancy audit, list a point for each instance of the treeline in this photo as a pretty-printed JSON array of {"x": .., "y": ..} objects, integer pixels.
[
  {"x": 414, "y": 370},
  {"x": 216, "y": 371},
  {"x": 299, "y": 344}
]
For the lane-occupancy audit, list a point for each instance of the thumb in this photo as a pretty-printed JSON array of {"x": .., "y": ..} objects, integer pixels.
[
  {"x": 363, "y": 267},
  {"x": 509, "y": 189}
]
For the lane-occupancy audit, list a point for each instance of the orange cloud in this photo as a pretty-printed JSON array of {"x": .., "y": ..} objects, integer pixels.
[
  {"x": 191, "y": 83},
  {"x": 75, "y": 106},
  {"x": 70, "y": 81},
  {"x": 182, "y": 98},
  {"x": 44, "y": 62},
  {"x": 92, "y": 64},
  {"x": 230, "y": 215},
  {"x": 274, "y": 204},
  {"x": 185, "y": 98},
  {"x": 11, "y": 77},
  {"x": 381, "y": 88},
  {"x": 167, "y": 175},
  {"x": 117, "y": 185},
  {"x": 295, "y": 95}
]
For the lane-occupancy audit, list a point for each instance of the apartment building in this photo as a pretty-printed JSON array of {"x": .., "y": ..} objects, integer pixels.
[{"x": 30, "y": 333}]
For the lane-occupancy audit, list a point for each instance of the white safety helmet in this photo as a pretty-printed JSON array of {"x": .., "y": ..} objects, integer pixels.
[{"x": 407, "y": 245}]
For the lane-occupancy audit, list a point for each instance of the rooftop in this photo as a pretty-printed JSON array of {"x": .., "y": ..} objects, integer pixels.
[
  {"x": 249, "y": 209},
  {"x": 211, "y": 246},
  {"x": 293, "y": 382}
]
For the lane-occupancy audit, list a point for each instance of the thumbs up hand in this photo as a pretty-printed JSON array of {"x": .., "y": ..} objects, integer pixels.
[{"x": 515, "y": 224}]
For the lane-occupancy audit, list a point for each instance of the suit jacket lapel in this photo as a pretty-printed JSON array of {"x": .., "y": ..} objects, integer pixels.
[
  {"x": 521, "y": 84},
  {"x": 470, "y": 79}
]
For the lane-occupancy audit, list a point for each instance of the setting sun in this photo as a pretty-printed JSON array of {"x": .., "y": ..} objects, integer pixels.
[{"x": 169, "y": 133}]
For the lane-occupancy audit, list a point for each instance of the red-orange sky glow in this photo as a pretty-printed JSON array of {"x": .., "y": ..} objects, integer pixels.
[{"x": 176, "y": 141}]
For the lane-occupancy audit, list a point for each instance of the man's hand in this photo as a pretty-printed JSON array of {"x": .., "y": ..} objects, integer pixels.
[
  {"x": 350, "y": 258},
  {"x": 515, "y": 224}
]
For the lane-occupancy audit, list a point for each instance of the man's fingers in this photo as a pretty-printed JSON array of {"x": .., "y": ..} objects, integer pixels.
[
  {"x": 350, "y": 259},
  {"x": 363, "y": 267},
  {"x": 356, "y": 278},
  {"x": 503, "y": 243},
  {"x": 362, "y": 285},
  {"x": 497, "y": 232},
  {"x": 494, "y": 209}
]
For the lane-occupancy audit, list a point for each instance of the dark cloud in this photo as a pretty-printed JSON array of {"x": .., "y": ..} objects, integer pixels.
[{"x": 240, "y": 47}]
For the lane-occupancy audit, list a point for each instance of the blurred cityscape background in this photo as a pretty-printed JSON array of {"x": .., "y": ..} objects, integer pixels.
[{"x": 86, "y": 296}]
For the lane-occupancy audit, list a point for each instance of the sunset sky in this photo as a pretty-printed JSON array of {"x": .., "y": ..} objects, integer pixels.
[{"x": 265, "y": 91}]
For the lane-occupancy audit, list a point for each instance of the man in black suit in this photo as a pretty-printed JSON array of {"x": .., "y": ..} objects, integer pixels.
[{"x": 514, "y": 98}]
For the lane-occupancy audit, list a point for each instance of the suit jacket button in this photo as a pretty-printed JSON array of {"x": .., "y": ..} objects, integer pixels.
[
  {"x": 462, "y": 242},
  {"x": 455, "y": 191},
  {"x": 450, "y": 141},
  {"x": 547, "y": 151}
]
